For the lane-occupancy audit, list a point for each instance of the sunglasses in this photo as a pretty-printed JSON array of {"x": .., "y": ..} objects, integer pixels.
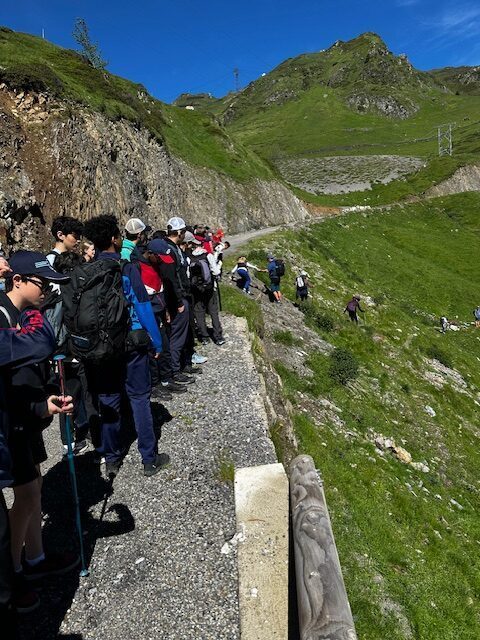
[{"x": 43, "y": 285}]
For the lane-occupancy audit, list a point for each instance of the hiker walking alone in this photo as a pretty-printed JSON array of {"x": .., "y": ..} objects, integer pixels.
[
  {"x": 476, "y": 313},
  {"x": 352, "y": 307},
  {"x": 276, "y": 269},
  {"x": 302, "y": 283}
]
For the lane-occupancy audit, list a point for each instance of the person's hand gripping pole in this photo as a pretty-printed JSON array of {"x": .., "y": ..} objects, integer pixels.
[{"x": 71, "y": 466}]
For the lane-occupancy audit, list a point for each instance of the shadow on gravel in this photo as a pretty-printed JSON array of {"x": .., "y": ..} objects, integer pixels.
[{"x": 60, "y": 534}]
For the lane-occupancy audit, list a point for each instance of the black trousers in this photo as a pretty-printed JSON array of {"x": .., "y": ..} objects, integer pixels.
[
  {"x": 178, "y": 333},
  {"x": 8, "y": 618},
  {"x": 207, "y": 302},
  {"x": 161, "y": 369},
  {"x": 189, "y": 347}
]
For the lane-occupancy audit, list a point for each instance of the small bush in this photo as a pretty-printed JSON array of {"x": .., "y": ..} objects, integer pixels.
[
  {"x": 321, "y": 320},
  {"x": 437, "y": 354},
  {"x": 405, "y": 387},
  {"x": 325, "y": 323},
  {"x": 380, "y": 298},
  {"x": 343, "y": 366}
]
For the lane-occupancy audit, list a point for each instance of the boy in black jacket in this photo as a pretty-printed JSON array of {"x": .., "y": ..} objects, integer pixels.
[{"x": 31, "y": 407}]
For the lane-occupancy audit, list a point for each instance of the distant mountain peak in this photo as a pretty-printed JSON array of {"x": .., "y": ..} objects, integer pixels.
[{"x": 367, "y": 76}]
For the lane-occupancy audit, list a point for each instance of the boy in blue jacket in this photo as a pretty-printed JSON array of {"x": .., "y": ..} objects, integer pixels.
[
  {"x": 108, "y": 380},
  {"x": 26, "y": 341}
]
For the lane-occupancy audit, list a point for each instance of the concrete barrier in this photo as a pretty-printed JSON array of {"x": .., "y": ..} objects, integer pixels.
[{"x": 262, "y": 512}]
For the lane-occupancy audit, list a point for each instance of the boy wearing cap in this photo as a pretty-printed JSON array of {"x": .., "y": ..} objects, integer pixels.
[
  {"x": 31, "y": 343},
  {"x": 31, "y": 407},
  {"x": 136, "y": 233}
]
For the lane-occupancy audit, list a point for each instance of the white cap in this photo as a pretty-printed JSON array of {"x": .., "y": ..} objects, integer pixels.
[
  {"x": 135, "y": 225},
  {"x": 189, "y": 237},
  {"x": 176, "y": 224}
]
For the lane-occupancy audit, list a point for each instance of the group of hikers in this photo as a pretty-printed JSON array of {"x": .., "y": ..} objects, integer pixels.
[
  {"x": 122, "y": 317},
  {"x": 92, "y": 330},
  {"x": 276, "y": 270}
]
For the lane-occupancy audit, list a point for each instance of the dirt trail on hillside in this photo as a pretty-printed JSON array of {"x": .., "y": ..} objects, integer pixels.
[{"x": 317, "y": 213}]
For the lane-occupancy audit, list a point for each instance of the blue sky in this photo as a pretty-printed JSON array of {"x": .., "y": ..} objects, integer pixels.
[{"x": 172, "y": 46}]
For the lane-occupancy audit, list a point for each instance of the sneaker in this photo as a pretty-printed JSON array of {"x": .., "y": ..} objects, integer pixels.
[
  {"x": 189, "y": 369},
  {"x": 112, "y": 468},
  {"x": 80, "y": 447},
  {"x": 54, "y": 564},
  {"x": 181, "y": 377},
  {"x": 160, "y": 463},
  {"x": 174, "y": 387},
  {"x": 198, "y": 359},
  {"x": 220, "y": 342},
  {"x": 161, "y": 393},
  {"x": 98, "y": 458}
]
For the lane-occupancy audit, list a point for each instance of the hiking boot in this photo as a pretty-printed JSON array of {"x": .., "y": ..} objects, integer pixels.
[
  {"x": 24, "y": 598},
  {"x": 181, "y": 377},
  {"x": 220, "y": 342},
  {"x": 189, "y": 369},
  {"x": 161, "y": 461},
  {"x": 54, "y": 564},
  {"x": 161, "y": 393},
  {"x": 198, "y": 359},
  {"x": 112, "y": 468},
  {"x": 174, "y": 387}
]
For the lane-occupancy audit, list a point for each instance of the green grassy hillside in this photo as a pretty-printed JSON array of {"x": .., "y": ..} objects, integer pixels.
[
  {"x": 28, "y": 62},
  {"x": 408, "y": 539},
  {"x": 357, "y": 98},
  {"x": 461, "y": 80}
]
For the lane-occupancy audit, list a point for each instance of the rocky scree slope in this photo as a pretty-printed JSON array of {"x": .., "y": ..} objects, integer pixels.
[{"x": 75, "y": 142}]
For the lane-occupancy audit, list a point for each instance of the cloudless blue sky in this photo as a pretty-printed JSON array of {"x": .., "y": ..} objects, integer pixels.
[{"x": 173, "y": 46}]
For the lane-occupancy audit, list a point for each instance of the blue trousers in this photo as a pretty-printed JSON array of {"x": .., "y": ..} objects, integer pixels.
[
  {"x": 179, "y": 325},
  {"x": 133, "y": 378},
  {"x": 245, "y": 279}
]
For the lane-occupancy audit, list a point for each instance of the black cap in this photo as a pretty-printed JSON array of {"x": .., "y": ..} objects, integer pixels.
[{"x": 33, "y": 263}]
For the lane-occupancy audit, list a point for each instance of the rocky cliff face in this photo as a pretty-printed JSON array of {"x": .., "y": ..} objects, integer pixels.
[{"x": 58, "y": 160}]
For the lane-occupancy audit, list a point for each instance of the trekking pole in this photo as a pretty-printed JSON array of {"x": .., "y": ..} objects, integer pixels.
[{"x": 71, "y": 466}]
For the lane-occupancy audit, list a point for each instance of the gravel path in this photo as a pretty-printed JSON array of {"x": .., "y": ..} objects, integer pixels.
[{"x": 154, "y": 545}]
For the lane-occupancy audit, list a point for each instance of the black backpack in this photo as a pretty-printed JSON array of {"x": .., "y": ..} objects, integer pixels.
[
  {"x": 52, "y": 309},
  {"x": 280, "y": 267},
  {"x": 200, "y": 274},
  {"x": 95, "y": 311}
]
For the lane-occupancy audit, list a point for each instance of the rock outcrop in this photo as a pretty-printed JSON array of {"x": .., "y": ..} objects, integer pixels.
[
  {"x": 55, "y": 159},
  {"x": 464, "y": 179}
]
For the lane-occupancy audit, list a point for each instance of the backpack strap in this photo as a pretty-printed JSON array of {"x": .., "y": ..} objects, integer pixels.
[{"x": 7, "y": 315}]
